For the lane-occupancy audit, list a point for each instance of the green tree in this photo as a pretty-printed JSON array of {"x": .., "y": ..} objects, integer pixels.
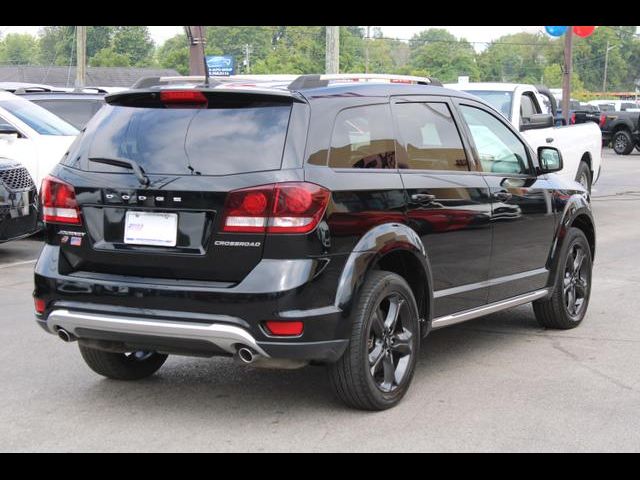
[
  {"x": 107, "y": 57},
  {"x": 57, "y": 45},
  {"x": 135, "y": 43},
  {"x": 19, "y": 49},
  {"x": 174, "y": 53},
  {"x": 518, "y": 58},
  {"x": 439, "y": 53}
]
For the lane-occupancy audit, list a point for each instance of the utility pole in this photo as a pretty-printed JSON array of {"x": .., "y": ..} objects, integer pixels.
[
  {"x": 366, "y": 51},
  {"x": 332, "y": 63},
  {"x": 196, "y": 38},
  {"x": 606, "y": 64},
  {"x": 566, "y": 78},
  {"x": 247, "y": 53},
  {"x": 81, "y": 56}
]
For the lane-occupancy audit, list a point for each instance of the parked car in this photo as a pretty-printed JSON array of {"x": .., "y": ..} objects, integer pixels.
[
  {"x": 32, "y": 136},
  {"x": 622, "y": 130},
  {"x": 13, "y": 86},
  {"x": 18, "y": 202},
  {"x": 76, "y": 107},
  {"x": 581, "y": 145},
  {"x": 334, "y": 220},
  {"x": 614, "y": 105}
]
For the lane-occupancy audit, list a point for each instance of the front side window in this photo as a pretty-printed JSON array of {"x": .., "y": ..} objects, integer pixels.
[
  {"x": 430, "y": 137},
  {"x": 39, "y": 119},
  {"x": 363, "y": 138},
  {"x": 499, "y": 149}
]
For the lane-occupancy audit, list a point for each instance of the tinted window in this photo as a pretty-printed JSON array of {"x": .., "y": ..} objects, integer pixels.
[
  {"x": 363, "y": 138},
  {"x": 499, "y": 149},
  {"x": 501, "y": 101},
  {"x": 76, "y": 112},
  {"x": 213, "y": 141},
  {"x": 527, "y": 107},
  {"x": 42, "y": 121},
  {"x": 628, "y": 105},
  {"x": 429, "y": 136}
]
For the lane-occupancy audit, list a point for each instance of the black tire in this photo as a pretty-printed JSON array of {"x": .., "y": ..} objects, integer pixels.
[
  {"x": 583, "y": 176},
  {"x": 622, "y": 142},
  {"x": 373, "y": 341},
  {"x": 638, "y": 148},
  {"x": 554, "y": 312},
  {"x": 121, "y": 366}
]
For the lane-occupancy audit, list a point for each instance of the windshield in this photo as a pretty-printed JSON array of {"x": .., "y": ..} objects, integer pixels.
[
  {"x": 41, "y": 120},
  {"x": 212, "y": 141},
  {"x": 501, "y": 101}
]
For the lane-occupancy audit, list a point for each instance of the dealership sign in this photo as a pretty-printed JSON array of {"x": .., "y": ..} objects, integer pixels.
[{"x": 220, "y": 65}]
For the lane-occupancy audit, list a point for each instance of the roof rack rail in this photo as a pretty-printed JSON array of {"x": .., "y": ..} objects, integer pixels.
[{"x": 322, "y": 80}]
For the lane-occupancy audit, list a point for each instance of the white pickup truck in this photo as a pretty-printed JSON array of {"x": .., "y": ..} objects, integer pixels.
[{"x": 526, "y": 108}]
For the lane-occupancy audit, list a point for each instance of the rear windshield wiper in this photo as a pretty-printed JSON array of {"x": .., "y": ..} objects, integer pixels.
[{"x": 124, "y": 163}]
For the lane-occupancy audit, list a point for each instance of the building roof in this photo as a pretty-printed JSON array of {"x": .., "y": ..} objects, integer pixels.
[{"x": 65, "y": 76}]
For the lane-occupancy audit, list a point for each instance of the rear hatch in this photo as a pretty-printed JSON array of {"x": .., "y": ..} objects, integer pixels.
[{"x": 191, "y": 152}]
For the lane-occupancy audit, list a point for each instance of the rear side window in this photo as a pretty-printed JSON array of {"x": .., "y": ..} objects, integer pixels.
[
  {"x": 363, "y": 138},
  {"x": 76, "y": 112},
  {"x": 41, "y": 120},
  {"x": 212, "y": 141},
  {"x": 429, "y": 136}
]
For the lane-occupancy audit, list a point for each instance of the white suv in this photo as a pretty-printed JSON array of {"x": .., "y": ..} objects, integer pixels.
[{"x": 33, "y": 136}]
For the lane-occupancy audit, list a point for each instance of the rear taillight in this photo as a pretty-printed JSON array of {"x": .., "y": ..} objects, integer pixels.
[
  {"x": 294, "y": 207},
  {"x": 573, "y": 119},
  {"x": 59, "y": 203},
  {"x": 40, "y": 305},
  {"x": 603, "y": 120}
]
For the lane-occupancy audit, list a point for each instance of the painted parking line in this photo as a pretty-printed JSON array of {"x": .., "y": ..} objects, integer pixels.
[{"x": 17, "y": 264}]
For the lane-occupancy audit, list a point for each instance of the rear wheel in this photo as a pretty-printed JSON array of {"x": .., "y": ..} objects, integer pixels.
[
  {"x": 377, "y": 367},
  {"x": 122, "y": 366},
  {"x": 583, "y": 177},
  {"x": 568, "y": 305},
  {"x": 622, "y": 143}
]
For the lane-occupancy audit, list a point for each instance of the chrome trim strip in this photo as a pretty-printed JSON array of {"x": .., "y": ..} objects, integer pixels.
[
  {"x": 221, "y": 335},
  {"x": 489, "y": 283},
  {"x": 487, "y": 309}
]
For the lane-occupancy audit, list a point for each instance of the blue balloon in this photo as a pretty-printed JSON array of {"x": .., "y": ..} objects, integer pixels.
[{"x": 556, "y": 31}]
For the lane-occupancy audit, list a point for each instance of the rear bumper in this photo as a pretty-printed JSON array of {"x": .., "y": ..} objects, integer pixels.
[{"x": 196, "y": 319}]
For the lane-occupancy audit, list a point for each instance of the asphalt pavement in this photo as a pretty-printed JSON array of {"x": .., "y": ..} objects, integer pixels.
[{"x": 499, "y": 383}]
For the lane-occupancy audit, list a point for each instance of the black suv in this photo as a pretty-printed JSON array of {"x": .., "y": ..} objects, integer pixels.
[{"x": 335, "y": 220}]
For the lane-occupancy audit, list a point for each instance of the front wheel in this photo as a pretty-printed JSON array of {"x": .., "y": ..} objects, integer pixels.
[
  {"x": 568, "y": 304},
  {"x": 377, "y": 367},
  {"x": 622, "y": 143},
  {"x": 122, "y": 366}
]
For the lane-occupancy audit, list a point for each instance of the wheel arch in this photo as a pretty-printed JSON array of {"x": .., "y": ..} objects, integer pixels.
[{"x": 395, "y": 248}]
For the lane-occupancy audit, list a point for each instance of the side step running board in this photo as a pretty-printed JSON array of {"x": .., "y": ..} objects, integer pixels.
[{"x": 487, "y": 309}]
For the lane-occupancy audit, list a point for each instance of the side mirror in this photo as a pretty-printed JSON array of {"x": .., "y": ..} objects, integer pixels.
[
  {"x": 537, "y": 120},
  {"x": 550, "y": 159},
  {"x": 6, "y": 129}
]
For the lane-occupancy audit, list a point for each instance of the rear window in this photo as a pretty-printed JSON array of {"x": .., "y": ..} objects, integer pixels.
[
  {"x": 76, "y": 112},
  {"x": 212, "y": 141},
  {"x": 41, "y": 120}
]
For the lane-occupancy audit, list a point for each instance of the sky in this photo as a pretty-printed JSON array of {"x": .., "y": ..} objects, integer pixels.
[{"x": 472, "y": 34}]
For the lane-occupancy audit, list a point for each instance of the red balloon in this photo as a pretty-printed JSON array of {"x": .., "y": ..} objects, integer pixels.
[{"x": 583, "y": 31}]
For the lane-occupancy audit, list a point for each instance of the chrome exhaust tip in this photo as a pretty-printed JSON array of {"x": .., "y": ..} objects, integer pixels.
[
  {"x": 246, "y": 355},
  {"x": 65, "y": 336}
]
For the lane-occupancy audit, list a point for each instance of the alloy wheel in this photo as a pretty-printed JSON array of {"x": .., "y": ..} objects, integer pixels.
[
  {"x": 575, "y": 282},
  {"x": 390, "y": 345}
]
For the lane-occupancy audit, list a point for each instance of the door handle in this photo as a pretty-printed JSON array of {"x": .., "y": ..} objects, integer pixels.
[
  {"x": 422, "y": 198},
  {"x": 549, "y": 140},
  {"x": 502, "y": 195}
]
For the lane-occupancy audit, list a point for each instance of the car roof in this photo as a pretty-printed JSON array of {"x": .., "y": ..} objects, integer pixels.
[
  {"x": 497, "y": 86},
  {"x": 13, "y": 86},
  {"x": 62, "y": 96}
]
